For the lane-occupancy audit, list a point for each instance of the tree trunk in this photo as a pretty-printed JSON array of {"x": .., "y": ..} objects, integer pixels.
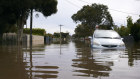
[{"x": 20, "y": 25}]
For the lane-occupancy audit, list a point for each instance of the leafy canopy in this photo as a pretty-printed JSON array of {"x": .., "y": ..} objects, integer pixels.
[
  {"x": 92, "y": 15},
  {"x": 12, "y": 11},
  {"x": 83, "y": 31}
]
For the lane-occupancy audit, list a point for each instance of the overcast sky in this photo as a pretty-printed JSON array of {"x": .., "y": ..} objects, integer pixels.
[{"x": 119, "y": 10}]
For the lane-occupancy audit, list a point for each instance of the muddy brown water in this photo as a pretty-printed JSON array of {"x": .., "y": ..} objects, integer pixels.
[{"x": 70, "y": 60}]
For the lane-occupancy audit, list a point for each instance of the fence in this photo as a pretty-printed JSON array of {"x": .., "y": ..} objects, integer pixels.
[{"x": 11, "y": 38}]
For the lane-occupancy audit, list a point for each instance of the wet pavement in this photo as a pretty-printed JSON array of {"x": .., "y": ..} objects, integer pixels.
[{"x": 70, "y": 60}]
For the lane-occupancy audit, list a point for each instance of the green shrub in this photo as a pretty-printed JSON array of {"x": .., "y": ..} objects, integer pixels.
[
  {"x": 135, "y": 31},
  {"x": 35, "y": 31},
  {"x": 48, "y": 35}
]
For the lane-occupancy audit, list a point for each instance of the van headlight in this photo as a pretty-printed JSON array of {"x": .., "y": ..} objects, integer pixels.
[
  {"x": 96, "y": 43},
  {"x": 122, "y": 45}
]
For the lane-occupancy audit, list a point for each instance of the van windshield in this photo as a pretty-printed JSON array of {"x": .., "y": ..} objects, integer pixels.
[{"x": 106, "y": 34}]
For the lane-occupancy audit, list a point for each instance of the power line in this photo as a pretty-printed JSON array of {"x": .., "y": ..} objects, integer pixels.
[
  {"x": 85, "y": 1},
  {"x": 72, "y": 3},
  {"x": 109, "y": 9},
  {"x": 112, "y": 9},
  {"x": 123, "y": 12}
]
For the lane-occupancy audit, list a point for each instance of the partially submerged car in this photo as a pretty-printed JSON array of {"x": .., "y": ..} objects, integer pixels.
[{"x": 107, "y": 39}]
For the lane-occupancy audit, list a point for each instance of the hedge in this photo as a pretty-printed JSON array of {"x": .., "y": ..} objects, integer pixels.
[{"x": 35, "y": 31}]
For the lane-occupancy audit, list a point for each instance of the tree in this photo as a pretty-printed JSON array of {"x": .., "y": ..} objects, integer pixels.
[
  {"x": 82, "y": 31},
  {"x": 17, "y": 11},
  {"x": 64, "y": 35},
  {"x": 8, "y": 16},
  {"x": 79, "y": 31},
  {"x": 138, "y": 21},
  {"x": 123, "y": 31},
  {"x": 95, "y": 14},
  {"x": 135, "y": 30},
  {"x": 56, "y": 35},
  {"x": 48, "y": 35},
  {"x": 129, "y": 23}
]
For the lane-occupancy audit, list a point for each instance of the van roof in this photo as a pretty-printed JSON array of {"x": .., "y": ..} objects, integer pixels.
[{"x": 106, "y": 33}]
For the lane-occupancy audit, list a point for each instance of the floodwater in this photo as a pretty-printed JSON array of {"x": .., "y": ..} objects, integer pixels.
[{"x": 70, "y": 60}]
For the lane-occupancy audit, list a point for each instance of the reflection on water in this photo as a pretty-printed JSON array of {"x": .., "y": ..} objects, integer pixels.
[
  {"x": 133, "y": 55},
  {"x": 37, "y": 67},
  {"x": 68, "y": 60},
  {"x": 24, "y": 63},
  {"x": 102, "y": 63},
  {"x": 11, "y": 63},
  {"x": 91, "y": 64}
]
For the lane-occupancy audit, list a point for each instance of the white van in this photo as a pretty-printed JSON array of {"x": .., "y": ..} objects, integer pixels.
[{"x": 107, "y": 39}]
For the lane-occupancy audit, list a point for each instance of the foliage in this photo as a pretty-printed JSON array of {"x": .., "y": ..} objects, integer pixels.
[
  {"x": 48, "y": 35},
  {"x": 90, "y": 16},
  {"x": 63, "y": 35},
  {"x": 123, "y": 31},
  {"x": 131, "y": 29},
  {"x": 74, "y": 36},
  {"x": 129, "y": 23},
  {"x": 138, "y": 21},
  {"x": 83, "y": 31},
  {"x": 56, "y": 35},
  {"x": 8, "y": 28},
  {"x": 95, "y": 14},
  {"x": 35, "y": 31},
  {"x": 105, "y": 27},
  {"x": 135, "y": 31},
  {"x": 16, "y": 11}
]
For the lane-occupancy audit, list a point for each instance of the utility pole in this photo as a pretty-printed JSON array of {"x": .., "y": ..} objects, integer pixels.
[
  {"x": 31, "y": 64},
  {"x": 31, "y": 19},
  {"x": 60, "y": 37},
  {"x": 60, "y": 31}
]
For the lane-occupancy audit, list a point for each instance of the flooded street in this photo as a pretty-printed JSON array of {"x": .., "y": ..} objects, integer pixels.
[{"x": 70, "y": 60}]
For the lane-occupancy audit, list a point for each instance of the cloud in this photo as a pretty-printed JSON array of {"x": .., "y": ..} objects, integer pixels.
[{"x": 66, "y": 8}]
